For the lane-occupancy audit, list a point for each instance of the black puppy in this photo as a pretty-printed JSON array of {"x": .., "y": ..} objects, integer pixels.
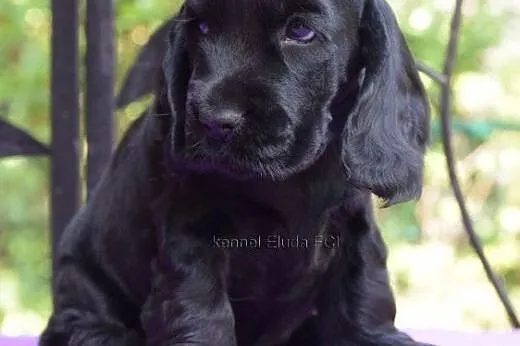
[{"x": 239, "y": 211}]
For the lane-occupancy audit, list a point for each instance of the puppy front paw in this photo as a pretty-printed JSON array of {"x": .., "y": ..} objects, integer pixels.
[
  {"x": 177, "y": 312},
  {"x": 393, "y": 338}
]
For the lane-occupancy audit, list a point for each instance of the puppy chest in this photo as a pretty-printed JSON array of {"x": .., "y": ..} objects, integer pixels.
[
  {"x": 269, "y": 287},
  {"x": 269, "y": 259}
]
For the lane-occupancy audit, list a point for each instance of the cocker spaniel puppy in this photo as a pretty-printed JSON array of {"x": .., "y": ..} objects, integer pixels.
[{"x": 238, "y": 212}]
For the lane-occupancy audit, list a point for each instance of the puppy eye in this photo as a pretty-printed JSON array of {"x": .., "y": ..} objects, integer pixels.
[
  {"x": 203, "y": 27},
  {"x": 299, "y": 32}
]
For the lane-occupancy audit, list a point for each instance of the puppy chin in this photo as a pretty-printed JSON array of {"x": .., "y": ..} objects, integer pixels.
[
  {"x": 208, "y": 166},
  {"x": 252, "y": 168}
]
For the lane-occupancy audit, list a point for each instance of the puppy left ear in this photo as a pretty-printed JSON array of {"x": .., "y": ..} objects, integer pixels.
[
  {"x": 177, "y": 70},
  {"x": 387, "y": 131}
]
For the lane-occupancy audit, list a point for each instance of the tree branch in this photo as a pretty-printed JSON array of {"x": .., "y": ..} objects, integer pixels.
[
  {"x": 446, "y": 106},
  {"x": 430, "y": 72}
]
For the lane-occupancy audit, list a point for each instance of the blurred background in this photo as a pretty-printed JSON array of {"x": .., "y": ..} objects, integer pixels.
[{"x": 438, "y": 280}]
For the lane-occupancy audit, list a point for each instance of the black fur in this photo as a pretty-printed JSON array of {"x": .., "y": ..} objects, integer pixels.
[{"x": 264, "y": 236}]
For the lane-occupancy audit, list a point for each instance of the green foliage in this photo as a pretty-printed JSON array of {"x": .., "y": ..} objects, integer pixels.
[{"x": 430, "y": 258}]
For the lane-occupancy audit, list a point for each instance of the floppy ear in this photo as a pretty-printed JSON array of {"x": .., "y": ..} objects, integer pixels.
[
  {"x": 177, "y": 71},
  {"x": 386, "y": 133}
]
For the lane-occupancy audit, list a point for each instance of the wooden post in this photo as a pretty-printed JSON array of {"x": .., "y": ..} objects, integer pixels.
[
  {"x": 100, "y": 60},
  {"x": 65, "y": 146}
]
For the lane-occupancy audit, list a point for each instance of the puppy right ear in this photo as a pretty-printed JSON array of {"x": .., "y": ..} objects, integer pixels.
[
  {"x": 386, "y": 134},
  {"x": 177, "y": 71}
]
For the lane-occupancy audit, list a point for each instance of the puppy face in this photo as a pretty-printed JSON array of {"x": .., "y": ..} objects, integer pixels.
[
  {"x": 259, "y": 88},
  {"x": 262, "y": 78}
]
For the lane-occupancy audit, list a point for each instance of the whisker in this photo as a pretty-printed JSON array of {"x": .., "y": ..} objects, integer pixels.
[
  {"x": 158, "y": 114},
  {"x": 184, "y": 20}
]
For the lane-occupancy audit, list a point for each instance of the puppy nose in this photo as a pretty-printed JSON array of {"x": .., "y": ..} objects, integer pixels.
[{"x": 220, "y": 125}]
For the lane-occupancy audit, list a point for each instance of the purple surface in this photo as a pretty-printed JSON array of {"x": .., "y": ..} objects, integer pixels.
[
  {"x": 442, "y": 338},
  {"x": 21, "y": 341},
  {"x": 453, "y": 338}
]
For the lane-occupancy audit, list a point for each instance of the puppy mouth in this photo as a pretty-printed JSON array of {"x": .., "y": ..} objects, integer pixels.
[
  {"x": 230, "y": 156},
  {"x": 212, "y": 165}
]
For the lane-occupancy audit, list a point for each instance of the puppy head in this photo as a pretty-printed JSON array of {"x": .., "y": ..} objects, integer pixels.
[{"x": 260, "y": 88}]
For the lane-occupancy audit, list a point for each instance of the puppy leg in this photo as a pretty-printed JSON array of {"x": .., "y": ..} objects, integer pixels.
[
  {"x": 356, "y": 306},
  {"x": 188, "y": 304},
  {"x": 86, "y": 315},
  {"x": 308, "y": 335},
  {"x": 58, "y": 334}
]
